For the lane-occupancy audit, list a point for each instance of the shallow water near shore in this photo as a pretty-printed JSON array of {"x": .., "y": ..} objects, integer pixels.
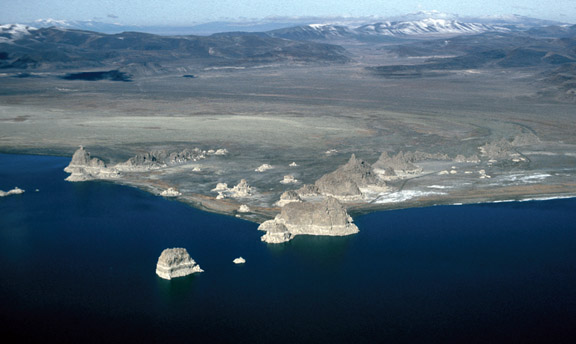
[{"x": 77, "y": 263}]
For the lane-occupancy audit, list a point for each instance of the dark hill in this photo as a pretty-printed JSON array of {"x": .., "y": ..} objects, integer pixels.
[{"x": 53, "y": 48}]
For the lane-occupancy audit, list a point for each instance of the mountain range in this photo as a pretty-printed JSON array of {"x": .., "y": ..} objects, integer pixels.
[
  {"x": 421, "y": 22},
  {"x": 442, "y": 42},
  {"x": 48, "y": 48},
  {"x": 387, "y": 30}
]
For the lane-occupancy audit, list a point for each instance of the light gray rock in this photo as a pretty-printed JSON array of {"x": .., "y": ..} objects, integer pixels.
[
  {"x": 82, "y": 157},
  {"x": 170, "y": 192},
  {"x": 241, "y": 190},
  {"x": 288, "y": 197},
  {"x": 221, "y": 151},
  {"x": 15, "y": 191},
  {"x": 160, "y": 158},
  {"x": 503, "y": 150},
  {"x": 82, "y": 167},
  {"x": 328, "y": 217},
  {"x": 263, "y": 168},
  {"x": 400, "y": 164},
  {"x": 347, "y": 180},
  {"x": 244, "y": 209},
  {"x": 276, "y": 232},
  {"x": 176, "y": 262},
  {"x": 239, "y": 260},
  {"x": 308, "y": 190},
  {"x": 289, "y": 179}
]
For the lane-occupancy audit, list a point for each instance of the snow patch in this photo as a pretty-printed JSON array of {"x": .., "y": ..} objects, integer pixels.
[
  {"x": 12, "y": 32},
  {"x": 405, "y": 195},
  {"x": 439, "y": 187},
  {"x": 534, "y": 178}
]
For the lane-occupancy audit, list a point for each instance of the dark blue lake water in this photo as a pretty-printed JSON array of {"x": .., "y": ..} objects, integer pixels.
[{"x": 77, "y": 264}]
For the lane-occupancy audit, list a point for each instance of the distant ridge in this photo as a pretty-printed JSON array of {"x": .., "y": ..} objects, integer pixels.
[
  {"x": 23, "y": 47},
  {"x": 512, "y": 22},
  {"x": 387, "y": 29}
]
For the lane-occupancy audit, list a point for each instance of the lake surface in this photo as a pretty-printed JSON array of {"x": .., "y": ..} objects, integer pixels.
[{"x": 77, "y": 264}]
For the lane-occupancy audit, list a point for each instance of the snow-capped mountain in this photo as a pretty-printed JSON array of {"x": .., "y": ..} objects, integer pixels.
[
  {"x": 427, "y": 26},
  {"x": 421, "y": 15},
  {"x": 412, "y": 25},
  {"x": 386, "y": 30},
  {"x": 11, "y": 32},
  {"x": 314, "y": 32},
  {"x": 88, "y": 25}
]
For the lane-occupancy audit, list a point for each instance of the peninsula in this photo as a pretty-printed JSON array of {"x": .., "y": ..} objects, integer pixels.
[{"x": 304, "y": 132}]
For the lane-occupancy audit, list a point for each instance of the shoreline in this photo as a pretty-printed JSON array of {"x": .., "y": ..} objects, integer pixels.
[{"x": 260, "y": 214}]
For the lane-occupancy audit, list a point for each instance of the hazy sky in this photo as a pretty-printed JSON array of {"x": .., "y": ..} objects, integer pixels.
[{"x": 176, "y": 12}]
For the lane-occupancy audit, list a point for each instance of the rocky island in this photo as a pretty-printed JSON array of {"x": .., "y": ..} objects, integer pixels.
[
  {"x": 239, "y": 260},
  {"x": 328, "y": 217},
  {"x": 15, "y": 191},
  {"x": 176, "y": 262}
]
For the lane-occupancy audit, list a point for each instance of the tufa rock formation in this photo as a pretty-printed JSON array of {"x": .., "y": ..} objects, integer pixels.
[
  {"x": 461, "y": 158},
  {"x": 505, "y": 150},
  {"x": 276, "y": 232},
  {"x": 328, "y": 217},
  {"x": 263, "y": 168},
  {"x": 241, "y": 190},
  {"x": 15, "y": 191},
  {"x": 161, "y": 158},
  {"x": 308, "y": 190},
  {"x": 82, "y": 167},
  {"x": 399, "y": 165},
  {"x": 289, "y": 179},
  {"x": 244, "y": 209},
  {"x": 170, "y": 192},
  {"x": 239, "y": 260},
  {"x": 288, "y": 197},
  {"x": 176, "y": 262},
  {"x": 346, "y": 181}
]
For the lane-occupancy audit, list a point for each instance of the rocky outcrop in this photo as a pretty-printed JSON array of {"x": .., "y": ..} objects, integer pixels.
[
  {"x": 170, "y": 192},
  {"x": 160, "y": 158},
  {"x": 263, "y": 168},
  {"x": 15, "y": 191},
  {"x": 221, "y": 151},
  {"x": 496, "y": 150},
  {"x": 221, "y": 187},
  {"x": 525, "y": 139},
  {"x": 288, "y": 197},
  {"x": 82, "y": 167},
  {"x": 308, "y": 190},
  {"x": 276, "y": 232},
  {"x": 241, "y": 190},
  {"x": 328, "y": 217},
  {"x": 244, "y": 209},
  {"x": 176, "y": 262},
  {"x": 239, "y": 260},
  {"x": 346, "y": 181},
  {"x": 471, "y": 159},
  {"x": 504, "y": 149},
  {"x": 399, "y": 165},
  {"x": 289, "y": 179}
]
